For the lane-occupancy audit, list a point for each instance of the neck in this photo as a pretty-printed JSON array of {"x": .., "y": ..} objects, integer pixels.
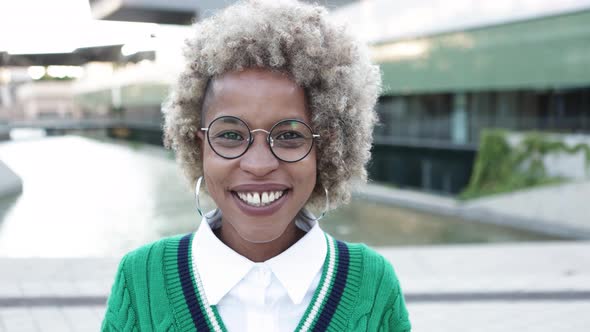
[{"x": 258, "y": 252}]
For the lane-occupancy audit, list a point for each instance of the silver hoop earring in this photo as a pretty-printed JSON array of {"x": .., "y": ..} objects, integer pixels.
[
  {"x": 326, "y": 208},
  {"x": 197, "y": 189}
]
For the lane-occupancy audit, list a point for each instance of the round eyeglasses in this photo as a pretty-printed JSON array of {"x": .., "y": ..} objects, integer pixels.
[{"x": 290, "y": 140}]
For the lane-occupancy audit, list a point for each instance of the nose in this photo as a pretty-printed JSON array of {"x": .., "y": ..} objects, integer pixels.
[{"x": 259, "y": 160}]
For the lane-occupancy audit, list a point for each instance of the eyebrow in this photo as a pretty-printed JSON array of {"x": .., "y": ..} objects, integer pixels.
[{"x": 231, "y": 119}]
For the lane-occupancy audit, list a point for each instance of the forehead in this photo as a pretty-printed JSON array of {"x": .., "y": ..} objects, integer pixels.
[{"x": 259, "y": 97}]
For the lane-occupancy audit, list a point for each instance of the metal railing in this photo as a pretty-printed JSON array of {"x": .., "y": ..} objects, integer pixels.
[
  {"x": 137, "y": 119},
  {"x": 439, "y": 129}
]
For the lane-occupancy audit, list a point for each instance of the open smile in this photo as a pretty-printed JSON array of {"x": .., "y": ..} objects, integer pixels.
[
  {"x": 260, "y": 199},
  {"x": 260, "y": 202}
]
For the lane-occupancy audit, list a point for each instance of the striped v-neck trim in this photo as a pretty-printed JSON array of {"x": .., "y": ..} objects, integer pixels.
[{"x": 328, "y": 309}]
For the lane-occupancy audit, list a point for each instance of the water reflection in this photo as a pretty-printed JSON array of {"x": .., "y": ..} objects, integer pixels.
[
  {"x": 83, "y": 197},
  {"x": 89, "y": 197}
]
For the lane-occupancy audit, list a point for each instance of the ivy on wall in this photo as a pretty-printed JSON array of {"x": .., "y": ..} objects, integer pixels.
[{"x": 501, "y": 168}]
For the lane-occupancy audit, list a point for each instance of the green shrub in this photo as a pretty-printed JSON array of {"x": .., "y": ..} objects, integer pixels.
[{"x": 500, "y": 168}]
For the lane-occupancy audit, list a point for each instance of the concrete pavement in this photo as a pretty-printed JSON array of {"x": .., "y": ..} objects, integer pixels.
[
  {"x": 497, "y": 287},
  {"x": 485, "y": 287}
]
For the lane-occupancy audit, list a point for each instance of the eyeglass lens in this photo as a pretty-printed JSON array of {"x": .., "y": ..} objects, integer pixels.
[{"x": 290, "y": 140}]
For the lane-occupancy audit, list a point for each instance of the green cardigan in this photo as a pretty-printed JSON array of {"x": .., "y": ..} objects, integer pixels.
[{"x": 156, "y": 289}]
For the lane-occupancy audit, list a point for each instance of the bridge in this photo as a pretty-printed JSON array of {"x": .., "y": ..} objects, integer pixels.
[
  {"x": 147, "y": 130},
  {"x": 83, "y": 124}
]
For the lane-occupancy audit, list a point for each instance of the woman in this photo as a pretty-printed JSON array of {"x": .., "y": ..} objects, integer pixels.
[{"x": 273, "y": 113}]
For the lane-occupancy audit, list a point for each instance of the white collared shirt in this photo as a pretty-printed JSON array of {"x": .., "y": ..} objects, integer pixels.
[{"x": 268, "y": 296}]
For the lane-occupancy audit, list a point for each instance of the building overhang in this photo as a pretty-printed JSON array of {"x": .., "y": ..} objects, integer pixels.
[
  {"x": 81, "y": 56},
  {"x": 181, "y": 12}
]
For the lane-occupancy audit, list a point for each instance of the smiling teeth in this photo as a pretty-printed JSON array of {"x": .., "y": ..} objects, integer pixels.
[{"x": 260, "y": 199}]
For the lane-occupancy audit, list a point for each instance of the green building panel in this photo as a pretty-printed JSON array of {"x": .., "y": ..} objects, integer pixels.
[{"x": 542, "y": 53}]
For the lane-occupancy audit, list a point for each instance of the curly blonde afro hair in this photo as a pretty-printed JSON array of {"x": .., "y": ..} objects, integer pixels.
[{"x": 332, "y": 67}]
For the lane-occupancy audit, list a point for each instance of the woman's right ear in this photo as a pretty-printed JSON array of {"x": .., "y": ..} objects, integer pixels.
[{"x": 200, "y": 139}]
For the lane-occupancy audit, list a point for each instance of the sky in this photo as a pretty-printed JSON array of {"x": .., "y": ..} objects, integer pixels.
[{"x": 55, "y": 26}]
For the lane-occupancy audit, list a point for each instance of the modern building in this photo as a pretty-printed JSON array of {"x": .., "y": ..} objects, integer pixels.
[
  {"x": 451, "y": 71},
  {"x": 517, "y": 68}
]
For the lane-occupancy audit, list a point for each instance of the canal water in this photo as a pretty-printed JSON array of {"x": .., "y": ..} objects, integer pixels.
[{"x": 86, "y": 196}]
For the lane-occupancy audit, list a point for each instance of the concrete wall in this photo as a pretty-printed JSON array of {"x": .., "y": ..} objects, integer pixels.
[
  {"x": 10, "y": 183},
  {"x": 561, "y": 164}
]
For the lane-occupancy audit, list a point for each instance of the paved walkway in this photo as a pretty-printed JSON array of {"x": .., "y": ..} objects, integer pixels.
[
  {"x": 501, "y": 287},
  {"x": 54, "y": 294},
  {"x": 496, "y": 287},
  {"x": 558, "y": 210}
]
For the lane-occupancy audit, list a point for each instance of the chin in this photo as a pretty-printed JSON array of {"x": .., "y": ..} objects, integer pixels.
[{"x": 259, "y": 231}]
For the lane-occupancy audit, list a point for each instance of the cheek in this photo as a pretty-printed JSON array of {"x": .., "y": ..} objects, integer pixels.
[
  {"x": 307, "y": 171},
  {"x": 216, "y": 171}
]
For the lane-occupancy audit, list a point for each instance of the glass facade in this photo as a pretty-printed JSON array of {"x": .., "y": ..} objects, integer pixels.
[{"x": 459, "y": 118}]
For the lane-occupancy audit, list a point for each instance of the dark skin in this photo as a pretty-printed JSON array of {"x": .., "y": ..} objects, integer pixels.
[
  {"x": 259, "y": 252},
  {"x": 260, "y": 98}
]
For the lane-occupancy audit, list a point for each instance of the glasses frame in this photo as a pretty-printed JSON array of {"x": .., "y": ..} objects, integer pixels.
[{"x": 269, "y": 140}]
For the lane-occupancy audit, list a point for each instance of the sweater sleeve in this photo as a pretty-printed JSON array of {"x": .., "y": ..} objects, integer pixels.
[
  {"x": 121, "y": 313},
  {"x": 395, "y": 315}
]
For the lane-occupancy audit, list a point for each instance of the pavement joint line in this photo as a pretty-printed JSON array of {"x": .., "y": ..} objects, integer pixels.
[
  {"x": 498, "y": 296},
  {"x": 75, "y": 301},
  {"x": 44, "y": 301}
]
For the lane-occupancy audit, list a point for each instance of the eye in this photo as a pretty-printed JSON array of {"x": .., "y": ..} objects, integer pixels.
[
  {"x": 288, "y": 135},
  {"x": 230, "y": 135}
]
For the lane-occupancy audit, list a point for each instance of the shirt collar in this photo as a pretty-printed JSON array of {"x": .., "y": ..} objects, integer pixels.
[{"x": 221, "y": 268}]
